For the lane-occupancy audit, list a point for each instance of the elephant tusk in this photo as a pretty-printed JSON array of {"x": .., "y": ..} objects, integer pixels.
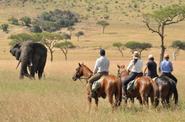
[{"x": 18, "y": 64}]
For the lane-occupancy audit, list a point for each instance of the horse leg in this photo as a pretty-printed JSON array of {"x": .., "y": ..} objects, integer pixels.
[
  {"x": 96, "y": 102},
  {"x": 110, "y": 97},
  {"x": 89, "y": 102}
]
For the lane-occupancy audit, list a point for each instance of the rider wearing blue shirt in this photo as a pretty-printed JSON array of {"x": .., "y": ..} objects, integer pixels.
[{"x": 167, "y": 67}]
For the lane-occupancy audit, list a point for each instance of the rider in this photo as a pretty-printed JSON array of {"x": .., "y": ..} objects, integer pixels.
[
  {"x": 135, "y": 67},
  {"x": 101, "y": 68},
  {"x": 166, "y": 67},
  {"x": 152, "y": 67}
]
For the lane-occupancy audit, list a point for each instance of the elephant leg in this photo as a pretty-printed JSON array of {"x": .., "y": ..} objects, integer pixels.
[{"x": 41, "y": 66}]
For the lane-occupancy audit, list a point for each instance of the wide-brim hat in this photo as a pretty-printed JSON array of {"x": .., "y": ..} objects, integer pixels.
[
  {"x": 166, "y": 55},
  {"x": 136, "y": 55},
  {"x": 150, "y": 56}
]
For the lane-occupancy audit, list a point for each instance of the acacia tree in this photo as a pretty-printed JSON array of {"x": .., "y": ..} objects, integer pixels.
[
  {"x": 64, "y": 47},
  {"x": 157, "y": 21},
  {"x": 78, "y": 34},
  {"x": 50, "y": 40},
  {"x": 120, "y": 46},
  {"x": 137, "y": 46},
  {"x": 177, "y": 45},
  {"x": 104, "y": 24}
]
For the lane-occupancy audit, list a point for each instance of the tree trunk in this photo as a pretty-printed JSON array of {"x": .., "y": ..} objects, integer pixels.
[
  {"x": 51, "y": 55},
  {"x": 103, "y": 30},
  {"x": 175, "y": 54},
  {"x": 65, "y": 56},
  {"x": 121, "y": 52},
  {"x": 162, "y": 51}
]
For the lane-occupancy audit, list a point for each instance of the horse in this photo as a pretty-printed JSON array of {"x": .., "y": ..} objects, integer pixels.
[
  {"x": 167, "y": 88},
  {"x": 145, "y": 87},
  {"x": 110, "y": 86}
]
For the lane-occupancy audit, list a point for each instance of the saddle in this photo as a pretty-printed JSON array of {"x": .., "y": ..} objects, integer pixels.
[{"x": 131, "y": 86}]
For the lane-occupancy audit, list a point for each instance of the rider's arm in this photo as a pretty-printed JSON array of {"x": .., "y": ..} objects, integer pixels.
[
  {"x": 96, "y": 67},
  {"x": 130, "y": 65},
  {"x": 171, "y": 65}
]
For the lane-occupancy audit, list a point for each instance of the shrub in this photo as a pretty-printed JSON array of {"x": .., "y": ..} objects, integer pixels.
[
  {"x": 4, "y": 27},
  {"x": 13, "y": 21},
  {"x": 26, "y": 21},
  {"x": 54, "y": 20}
]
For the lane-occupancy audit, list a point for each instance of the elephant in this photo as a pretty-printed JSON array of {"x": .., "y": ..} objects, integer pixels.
[{"x": 32, "y": 56}]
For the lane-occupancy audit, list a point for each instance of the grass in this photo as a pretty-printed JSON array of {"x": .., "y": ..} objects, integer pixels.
[{"x": 58, "y": 98}]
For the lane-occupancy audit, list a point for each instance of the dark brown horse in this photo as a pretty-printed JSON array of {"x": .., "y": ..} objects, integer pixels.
[
  {"x": 145, "y": 87},
  {"x": 110, "y": 86},
  {"x": 167, "y": 88}
]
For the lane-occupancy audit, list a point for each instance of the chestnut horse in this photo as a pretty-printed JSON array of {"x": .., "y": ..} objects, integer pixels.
[
  {"x": 110, "y": 86},
  {"x": 145, "y": 87},
  {"x": 167, "y": 88}
]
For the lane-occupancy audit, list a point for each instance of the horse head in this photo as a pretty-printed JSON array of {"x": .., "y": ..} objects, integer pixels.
[
  {"x": 121, "y": 71},
  {"x": 78, "y": 72},
  {"x": 82, "y": 70}
]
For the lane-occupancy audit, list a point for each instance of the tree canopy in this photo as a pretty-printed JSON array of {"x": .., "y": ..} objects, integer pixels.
[
  {"x": 159, "y": 19},
  {"x": 138, "y": 46}
]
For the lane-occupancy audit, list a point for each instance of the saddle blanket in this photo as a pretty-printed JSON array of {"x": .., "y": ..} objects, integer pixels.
[
  {"x": 96, "y": 85},
  {"x": 131, "y": 86}
]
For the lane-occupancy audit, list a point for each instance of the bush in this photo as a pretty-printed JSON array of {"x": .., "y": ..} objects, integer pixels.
[
  {"x": 4, "y": 27},
  {"x": 13, "y": 21},
  {"x": 54, "y": 20},
  {"x": 26, "y": 21},
  {"x": 36, "y": 29},
  {"x": 178, "y": 44}
]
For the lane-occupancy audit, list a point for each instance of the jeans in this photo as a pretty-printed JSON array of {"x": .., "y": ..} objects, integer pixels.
[
  {"x": 131, "y": 77},
  {"x": 170, "y": 76}
]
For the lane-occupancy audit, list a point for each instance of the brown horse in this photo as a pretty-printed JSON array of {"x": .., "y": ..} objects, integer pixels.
[
  {"x": 167, "y": 88},
  {"x": 145, "y": 87},
  {"x": 110, "y": 86}
]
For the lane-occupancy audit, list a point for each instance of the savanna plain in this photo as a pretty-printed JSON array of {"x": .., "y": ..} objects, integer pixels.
[{"x": 57, "y": 98}]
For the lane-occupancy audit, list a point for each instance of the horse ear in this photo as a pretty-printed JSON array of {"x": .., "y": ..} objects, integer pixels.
[
  {"x": 79, "y": 64},
  {"x": 118, "y": 66}
]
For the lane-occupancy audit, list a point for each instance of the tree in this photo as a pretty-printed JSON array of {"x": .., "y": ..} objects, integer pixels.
[
  {"x": 137, "y": 46},
  {"x": 26, "y": 21},
  {"x": 78, "y": 34},
  {"x": 4, "y": 27},
  {"x": 119, "y": 46},
  {"x": 157, "y": 21},
  {"x": 50, "y": 40},
  {"x": 177, "y": 45},
  {"x": 104, "y": 24},
  {"x": 64, "y": 47}
]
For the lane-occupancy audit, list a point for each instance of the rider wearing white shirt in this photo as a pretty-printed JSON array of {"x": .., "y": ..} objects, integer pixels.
[
  {"x": 101, "y": 68},
  {"x": 135, "y": 68}
]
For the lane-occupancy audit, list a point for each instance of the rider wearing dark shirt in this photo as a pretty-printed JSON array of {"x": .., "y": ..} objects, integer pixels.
[{"x": 152, "y": 67}]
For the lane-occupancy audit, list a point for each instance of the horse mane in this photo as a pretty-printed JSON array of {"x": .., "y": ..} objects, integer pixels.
[{"x": 87, "y": 68}]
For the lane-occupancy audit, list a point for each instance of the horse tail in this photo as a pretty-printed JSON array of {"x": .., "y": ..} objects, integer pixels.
[
  {"x": 175, "y": 93},
  {"x": 155, "y": 92}
]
